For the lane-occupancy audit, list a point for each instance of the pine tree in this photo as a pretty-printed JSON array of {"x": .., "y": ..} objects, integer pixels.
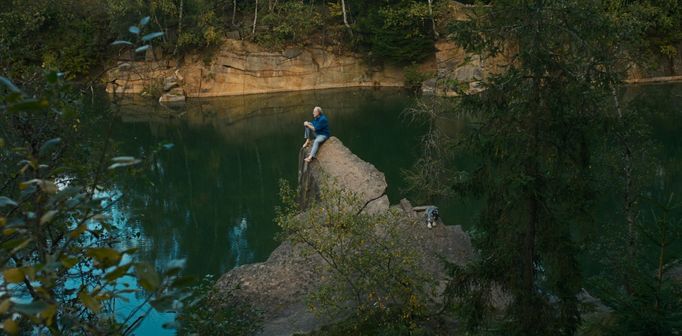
[{"x": 539, "y": 115}]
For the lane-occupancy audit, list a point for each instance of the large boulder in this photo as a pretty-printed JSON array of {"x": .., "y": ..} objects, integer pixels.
[
  {"x": 280, "y": 286},
  {"x": 335, "y": 163}
]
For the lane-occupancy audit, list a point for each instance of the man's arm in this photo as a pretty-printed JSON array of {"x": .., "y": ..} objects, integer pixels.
[{"x": 321, "y": 123}]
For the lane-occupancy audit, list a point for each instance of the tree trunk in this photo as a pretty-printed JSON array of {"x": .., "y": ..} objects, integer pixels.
[
  {"x": 182, "y": 6},
  {"x": 255, "y": 19},
  {"x": 629, "y": 199},
  {"x": 345, "y": 17},
  {"x": 234, "y": 11},
  {"x": 433, "y": 20}
]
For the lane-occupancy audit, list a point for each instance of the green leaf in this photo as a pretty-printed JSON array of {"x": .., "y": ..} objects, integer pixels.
[
  {"x": 10, "y": 326},
  {"x": 119, "y": 42},
  {"x": 90, "y": 302},
  {"x": 7, "y": 83},
  {"x": 105, "y": 255},
  {"x": 48, "y": 146},
  {"x": 48, "y": 216},
  {"x": 51, "y": 77},
  {"x": 152, "y": 36},
  {"x": 69, "y": 262},
  {"x": 134, "y": 29},
  {"x": 13, "y": 275},
  {"x": 29, "y": 105},
  {"x": 147, "y": 276},
  {"x": 5, "y": 201},
  {"x": 142, "y": 48},
  {"x": 117, "y": 273}
]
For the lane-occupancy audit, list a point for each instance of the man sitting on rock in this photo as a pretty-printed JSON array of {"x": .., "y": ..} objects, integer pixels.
[{"x": 318, "y": 130}]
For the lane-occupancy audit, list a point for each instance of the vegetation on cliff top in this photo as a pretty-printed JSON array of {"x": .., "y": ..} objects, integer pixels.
[{"x": 73, "y": 36}]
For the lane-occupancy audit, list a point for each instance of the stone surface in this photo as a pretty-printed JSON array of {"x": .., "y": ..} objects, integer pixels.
[
  {"x": 338, "y": 164},
  {"x": 176, "y": 95},
  {"x": 456, "y": 69},
  {"x": 169, "y": 83},
  {"x": 241, "y": 67},
  {"x": 279, "y": 286}
]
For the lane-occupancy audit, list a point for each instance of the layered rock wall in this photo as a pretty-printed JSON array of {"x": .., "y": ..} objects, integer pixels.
[
  {"x": 280, "y": 286},
  {"x": 241, "y": 68}
]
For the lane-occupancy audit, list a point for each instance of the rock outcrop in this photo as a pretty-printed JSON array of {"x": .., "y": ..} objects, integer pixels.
[
  {"x": 338, "y": 163},
  {"x": 457, "y": 70},
  {"x": 241, "y": 67},
  {"x": 280, "y": 286}
]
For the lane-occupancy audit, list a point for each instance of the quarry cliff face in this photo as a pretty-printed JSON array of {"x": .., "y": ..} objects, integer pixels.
[{"x": 240, "y": 67}]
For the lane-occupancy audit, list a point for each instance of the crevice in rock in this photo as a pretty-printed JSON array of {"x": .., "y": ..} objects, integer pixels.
[{"x": 370, "y": 201}]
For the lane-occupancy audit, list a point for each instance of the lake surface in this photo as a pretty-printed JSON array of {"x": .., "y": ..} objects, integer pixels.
[{"x": 210, "y": 194}]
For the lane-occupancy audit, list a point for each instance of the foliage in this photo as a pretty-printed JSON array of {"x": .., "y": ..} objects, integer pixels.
[
  {"x": 209, "y": 314},
  {"x": 290, "y": 22},
  {"x": 372, "y": 271},
  {"x": 431, "y": 178},
  {"x": 395, "y": 31},
  {"x": 538, "y": 116},
  {"x": 651, "y": 301},
  {"x": 64, "y": 265},
  {"x": 414, "y": 78},
  {"x": 662, "y": 20},
  {"x": 34, "y": 35}
]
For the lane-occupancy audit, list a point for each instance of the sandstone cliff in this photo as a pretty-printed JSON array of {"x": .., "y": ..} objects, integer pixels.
[{"x": 241, "y": 67}]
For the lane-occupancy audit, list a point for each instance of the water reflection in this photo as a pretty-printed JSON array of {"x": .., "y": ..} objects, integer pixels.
[{"x": 210, "y": 197}]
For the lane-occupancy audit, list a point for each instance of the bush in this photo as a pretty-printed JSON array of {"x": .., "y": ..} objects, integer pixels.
[
  {"x": 373, "y": 273},
  {"x": 217, "y": 314}
]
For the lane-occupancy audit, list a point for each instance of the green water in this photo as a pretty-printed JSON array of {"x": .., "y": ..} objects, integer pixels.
[{"x": 210, "y": 197}]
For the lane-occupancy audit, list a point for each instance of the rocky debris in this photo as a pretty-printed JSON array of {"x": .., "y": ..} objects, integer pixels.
[
  {"x": 173, "y": 91},
  {"x": 280, "y": 286},
  {"x": 175, "y": 95},
  {"x": 456, "y": 71},
  {"x": 169, "y": 83}
]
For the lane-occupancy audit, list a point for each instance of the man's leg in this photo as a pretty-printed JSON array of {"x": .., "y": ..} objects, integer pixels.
[
  {"x": 316, "y": 145},
  {"x": 307, "y": 135}
]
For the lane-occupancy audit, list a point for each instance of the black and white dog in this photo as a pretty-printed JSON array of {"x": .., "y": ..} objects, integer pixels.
[{"x": 432, "y": 216}]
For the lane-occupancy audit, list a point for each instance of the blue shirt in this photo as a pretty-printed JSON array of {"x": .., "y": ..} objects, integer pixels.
[{"x": 321, "y": 125}]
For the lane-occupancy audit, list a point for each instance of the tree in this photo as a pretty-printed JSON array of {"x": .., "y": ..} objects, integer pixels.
[
  {"x": 370, "y": 267},
  {"x": 537, "y": 118},
  {"x": 63, "y": 263}
]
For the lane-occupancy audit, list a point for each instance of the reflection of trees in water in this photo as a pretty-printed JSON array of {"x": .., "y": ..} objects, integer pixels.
[
  {"x": 239, "y": 244},
  {"x": 195, "y": 195},
  {"x": 211, "y": 197}
]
